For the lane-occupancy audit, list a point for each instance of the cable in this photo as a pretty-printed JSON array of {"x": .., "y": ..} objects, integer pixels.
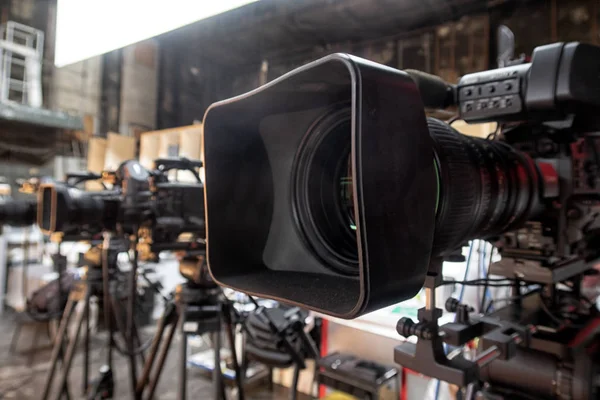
[
  {"x": 462, "y": 289},
  {"x": 509, "y": 298},
  {"x": 560, "y": 322},
  {"x": 492, "y": 282},
  {"x": 486, "y": 292}
]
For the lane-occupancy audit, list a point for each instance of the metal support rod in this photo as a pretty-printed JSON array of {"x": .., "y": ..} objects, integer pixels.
[
  {"x": 161, "y": 360},
  {"x": 131, "y": 315},
  {"x": 138, "y": 342},
  {"x": 106, "y": 298},
  {"x": 86, "y": 348},
  {"x": 182, "y": 359},
  {"x": 157, "y": 340},
  {"x": 217, "y": 374},
  {"x": 70, "y": 353},
  {"x": 430, "y": 298},
  {"x": 58, "y": 345},
  {"x": 294, "y": 388},
  {"x": 229, "y": 329}
]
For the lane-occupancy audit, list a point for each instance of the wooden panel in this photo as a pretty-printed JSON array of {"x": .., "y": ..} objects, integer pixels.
[
  {"x": 462, "y": 47},
  {"x": 576, "y": 20},
  {"x": 415, "y": 52},
  {"x": 191, "y": 143},
  {"x": 190, "y": 147},
  {"x": 445, "y": 60},
  {"x": 169, "y": 144},
  {"x": 149, "y": 145},
  {"x": 184, "y": 141},
  {"x": 119, "y": 148},
  {"x": 521, "y": 20},
  {"x": 96, "y": 154}
]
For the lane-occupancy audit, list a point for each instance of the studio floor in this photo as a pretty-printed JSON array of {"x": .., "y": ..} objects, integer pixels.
[{"x": 23, "y": 377}]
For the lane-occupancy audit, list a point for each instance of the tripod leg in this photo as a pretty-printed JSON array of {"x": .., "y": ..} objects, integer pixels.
[
  {"x": 156, "y": 341},
  {"x": 183, "y": 362},
  {"x": 86, "y": 348},
  {"x": 217, "y": 374},
  {"x": 15, "y": 338},
  {"x": 130, "y": 321},
  {"x": 162, "y": 358},
  {"x": 230, "y": 329},
  {"x": 294, "y": 387},
  {"x": 36, "y": 336},
  {"x": 70, "y": 353},
  {"x": 138, "y": 342},
  {"x": 58, "y": 347}
]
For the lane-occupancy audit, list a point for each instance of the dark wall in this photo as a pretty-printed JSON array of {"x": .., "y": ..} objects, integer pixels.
[{"x": 219, "y": 58}]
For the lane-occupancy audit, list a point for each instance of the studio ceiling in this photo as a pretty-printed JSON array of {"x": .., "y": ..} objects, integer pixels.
[{"x": 269, "y": 28}]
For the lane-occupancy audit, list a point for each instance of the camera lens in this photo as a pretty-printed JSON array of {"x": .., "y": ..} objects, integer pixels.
[
  {"x": 484, "y": 188},
  {"x": 322, "y": 192}
]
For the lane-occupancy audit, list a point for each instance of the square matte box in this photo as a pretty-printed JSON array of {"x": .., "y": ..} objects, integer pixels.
[{"x": 255, "y": 238}]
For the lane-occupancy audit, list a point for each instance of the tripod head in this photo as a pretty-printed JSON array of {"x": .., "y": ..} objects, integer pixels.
[{"x": 194, "y": 269}]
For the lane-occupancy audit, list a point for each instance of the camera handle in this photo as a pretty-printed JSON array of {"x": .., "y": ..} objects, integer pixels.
[
  {"x": 75, "y": 178},
  {"x": 427, "y": 355},
  {"x": 181, "y": 163}
]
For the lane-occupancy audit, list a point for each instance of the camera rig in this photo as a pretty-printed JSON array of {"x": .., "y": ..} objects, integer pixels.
[
  {"x": 133, "y": 201},
  {"x": 543, "y": 344},
  {"x": 356, "y": 198}
]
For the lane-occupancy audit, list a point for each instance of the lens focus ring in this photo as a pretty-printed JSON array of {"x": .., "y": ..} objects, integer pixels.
[
  {"x": 458, "y": 189},
  {"x": 486, "y": 187}
]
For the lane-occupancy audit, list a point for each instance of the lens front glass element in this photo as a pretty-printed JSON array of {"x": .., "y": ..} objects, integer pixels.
[
  {"x": 346, "y": 192},
  {"x": 322, "y": 192}
]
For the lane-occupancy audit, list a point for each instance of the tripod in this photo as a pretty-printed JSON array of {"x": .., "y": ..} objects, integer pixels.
[
  {"x": 98, "y": 282},
  {"x": 197, "y": 309}
]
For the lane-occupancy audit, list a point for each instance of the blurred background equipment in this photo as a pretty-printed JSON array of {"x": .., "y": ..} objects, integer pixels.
[
  {"x": 197, "y": 308},
  {"x": 278, "y": 338}
]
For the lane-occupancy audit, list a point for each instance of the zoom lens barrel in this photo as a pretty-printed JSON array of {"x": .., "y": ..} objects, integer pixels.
[
  {"x": 67, "y": 209},
  {"x": 484, "y": 188}
]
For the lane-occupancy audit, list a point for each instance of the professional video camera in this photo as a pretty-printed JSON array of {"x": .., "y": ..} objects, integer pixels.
[
  {"x": 135, "y": 201},
  {"x": 328, "y": 188},
  {"x": 22, "y": 212}
]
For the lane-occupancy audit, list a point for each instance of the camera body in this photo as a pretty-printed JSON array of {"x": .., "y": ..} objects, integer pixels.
[
  {"x": 178, "y": 207},
  {"x": 139, "y": 200}
]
